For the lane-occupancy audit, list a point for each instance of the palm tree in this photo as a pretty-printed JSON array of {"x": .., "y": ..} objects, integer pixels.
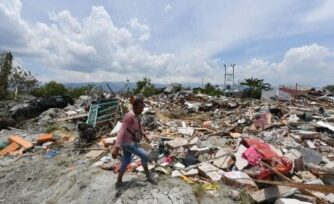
[
  {"x": 256, "y": 84},
  {"x": 255, "y": 87}
]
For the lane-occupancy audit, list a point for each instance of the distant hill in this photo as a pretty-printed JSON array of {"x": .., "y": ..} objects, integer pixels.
[{"x": 122, "y": 86}]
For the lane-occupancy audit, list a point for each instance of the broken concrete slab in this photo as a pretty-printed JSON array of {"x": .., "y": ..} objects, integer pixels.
[
  {"x": 211, "y": 172},
  {"x": 224, "y": 162},
  {"x": 264, "y": 121},
  {"x": 330, "y": 197},
  {"x": 290, "y": 201},
  {"x": 94, "y": 154},
  {"x": 326, "y": 125},
  {"x": 240, "y": 180},
  {"x": 271, "y": 193},
  {"x": 176, "y": 173},
  {"x": 179, "y": 166},
  {"x": 186, "y": 130},
  {"x": 296, "y": 157},
  {"x": 178, "y": 142},
  {"x": 241, "y": 162},
  {"x": 21, "y": 141},
  {"x": 310, "y": 155},
  {"x": 310, "y": 144},
  {"x": 194, "y": 141},
  {"x": 191, "y": 172}
]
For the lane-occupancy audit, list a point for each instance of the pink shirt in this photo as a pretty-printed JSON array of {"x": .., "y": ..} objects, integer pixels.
[{"x": 124, "y": 137}]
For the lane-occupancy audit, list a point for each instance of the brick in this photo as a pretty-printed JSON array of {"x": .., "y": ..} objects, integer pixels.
[
  {"x": 45, "y": 138},
  {"x": 21, "y": 141},
  {"x": 9, "y": 149}
]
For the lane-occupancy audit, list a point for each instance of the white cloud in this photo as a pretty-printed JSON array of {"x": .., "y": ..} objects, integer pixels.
[
  {"x": 94, "y": 45},
  {"x": 322, "y": 13},
  {"x": 309, "y": 65},
  {"x": 94, "y": 48},
  {"x": 168, "y": 8},
  {"x": 142, "y": 29}
]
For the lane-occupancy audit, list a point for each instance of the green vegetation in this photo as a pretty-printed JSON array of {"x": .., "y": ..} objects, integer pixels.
[
  {"x": 330, "y": 88},
  {"x": 145, "y": 87},
  {"x": 53, "y": 88},
  {"x": 209, "y": 89},
  {"x": 14, "y": 80},
  {"x": 6, "y": 60},
  {"x": 255, "y": 87}
]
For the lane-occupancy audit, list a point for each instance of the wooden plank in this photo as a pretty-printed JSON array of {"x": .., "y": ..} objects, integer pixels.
[
  {"x": 21, "y": 141},
  {"x": 314, "y": 187},
  {"x": 10, "y": 148}
]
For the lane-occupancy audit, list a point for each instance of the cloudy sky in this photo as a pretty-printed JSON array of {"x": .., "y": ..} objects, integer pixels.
[{"x": 283, "y": 42}]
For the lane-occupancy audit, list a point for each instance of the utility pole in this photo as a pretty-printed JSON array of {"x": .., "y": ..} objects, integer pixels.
[
  {"x": 233, "y": 65},
  {"x": 225, "y": 77}
]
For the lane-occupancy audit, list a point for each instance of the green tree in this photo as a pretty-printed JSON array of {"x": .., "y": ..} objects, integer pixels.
[
  {"x": 21, "y": 79},
  {"x": 145, "y": 87},
  {"x": 209, "y": 89},
  {"x": 50, "y": 89},
  {"x": 255, "y": 87},
  {"x": 79, "y": 91},
  {"x": 6, "y": 60},
  {"x": 330, "y": 88}
]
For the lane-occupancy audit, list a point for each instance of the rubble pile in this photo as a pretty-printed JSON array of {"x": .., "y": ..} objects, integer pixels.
[{"x": 275, "y": 151}]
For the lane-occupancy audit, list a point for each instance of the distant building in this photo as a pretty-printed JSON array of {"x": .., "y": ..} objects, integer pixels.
[{"x": 282, "y": 92}]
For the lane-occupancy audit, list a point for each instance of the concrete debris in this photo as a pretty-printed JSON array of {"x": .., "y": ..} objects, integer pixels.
[
  {"x": 176, "y": 173},
  {"x": 116, "y": 128},
  {"x": 241, "y": 162},
  {"x": 239, "y": 179},
  {"x": 204, "y": 140},
  {"x": 186, "y": 131},
  {"x": 271, "y": 193},
  {"x": 211, "y": 172},
  {"x": 179, "y": 166},
  {"x": 224, "y": 162},
  {"x": 94, "y": 154},
  {"x": 290, "y": 201},
  {"x": 178, "y": 142}
]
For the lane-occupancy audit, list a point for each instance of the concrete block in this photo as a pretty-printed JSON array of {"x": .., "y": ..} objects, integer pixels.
[
  {"x": 191, "y": 172},
  {"x": 271, "y": 193},
  {"x": 176, "y": 173},
  {"x": 240, "y": 163},
  {"x": 290, "y": 201},
  {"x": 224, "y": 162},
  {"x": 211, "y": 172},
  {"x": 178, "y": 142},
  {"x": 94, "y": 154},
  {"x": 240, "y": 180}
]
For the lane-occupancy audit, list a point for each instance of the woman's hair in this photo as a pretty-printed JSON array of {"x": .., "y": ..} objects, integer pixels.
[{"x": 138, "y": 101}]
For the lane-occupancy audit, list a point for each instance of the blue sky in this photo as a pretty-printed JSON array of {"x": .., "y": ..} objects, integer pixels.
[{"x": 284, "y": 42}]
